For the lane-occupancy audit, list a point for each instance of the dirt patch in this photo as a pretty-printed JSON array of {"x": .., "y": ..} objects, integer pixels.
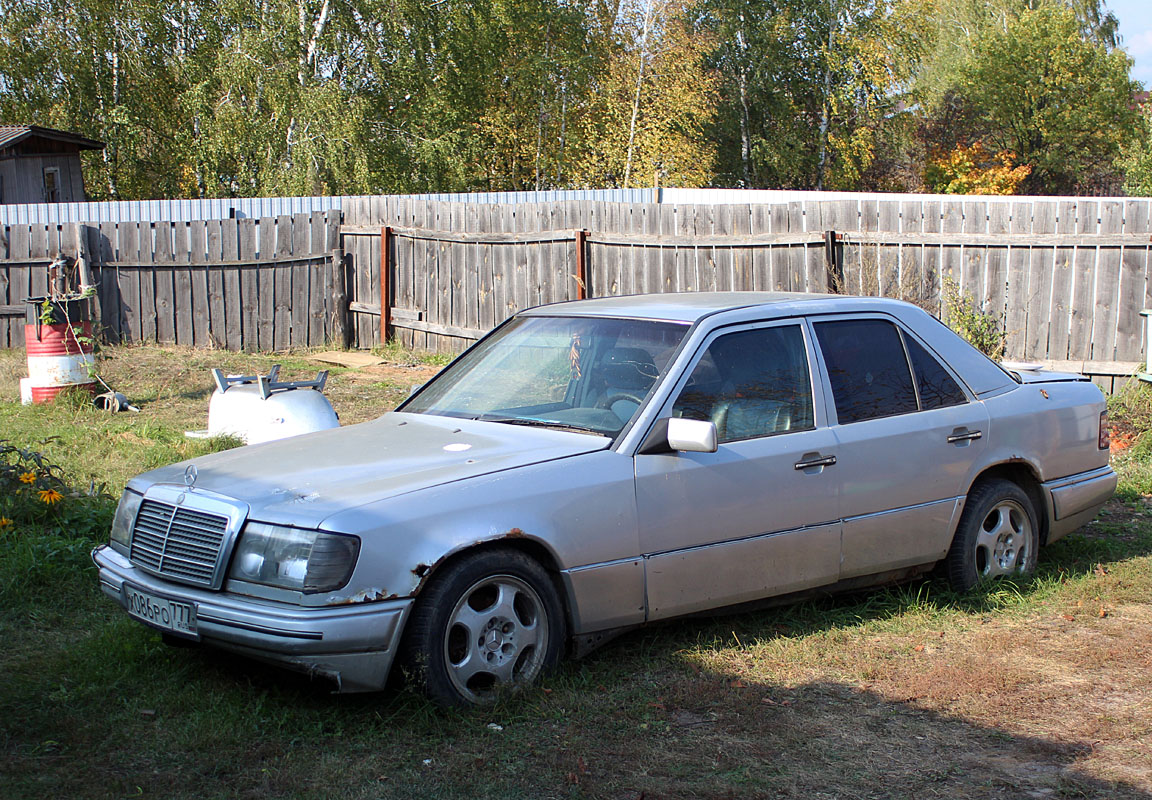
[{"x": 399, "y": 374}]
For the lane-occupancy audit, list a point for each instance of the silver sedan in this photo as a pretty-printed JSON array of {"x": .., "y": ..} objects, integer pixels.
[{"x": 590, "y": 467}]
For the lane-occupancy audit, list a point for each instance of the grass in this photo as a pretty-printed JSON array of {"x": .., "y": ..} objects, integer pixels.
[{"x": 1034, "y": 689}]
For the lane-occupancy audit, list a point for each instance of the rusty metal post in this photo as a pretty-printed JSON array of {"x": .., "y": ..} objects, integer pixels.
[
  {"x": 834, "y": 269},
  {"x": 583, "y": 279},
  {"x": 385, "y": 302}
]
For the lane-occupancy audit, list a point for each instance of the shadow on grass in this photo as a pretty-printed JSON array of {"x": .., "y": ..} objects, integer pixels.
[{"x": 184, "y": 725}]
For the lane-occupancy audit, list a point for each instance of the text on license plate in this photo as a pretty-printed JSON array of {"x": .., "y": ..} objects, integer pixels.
[{"x": 169, "y": 615}]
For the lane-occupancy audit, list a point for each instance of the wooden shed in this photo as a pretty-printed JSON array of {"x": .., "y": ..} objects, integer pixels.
[{"x": 41, "y": 165}]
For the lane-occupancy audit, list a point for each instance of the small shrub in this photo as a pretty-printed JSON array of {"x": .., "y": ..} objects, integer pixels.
[{"x": 981, "y": 329}]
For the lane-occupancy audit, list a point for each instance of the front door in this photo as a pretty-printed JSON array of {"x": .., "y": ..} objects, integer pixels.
[{"x": 758, "y": 517}]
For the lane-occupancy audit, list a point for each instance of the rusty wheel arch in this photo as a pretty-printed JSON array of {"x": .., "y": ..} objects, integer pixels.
[{"x": 514, "y": 539}]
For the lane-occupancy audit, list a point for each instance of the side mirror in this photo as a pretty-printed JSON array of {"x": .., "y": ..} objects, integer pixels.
[{"x": 691, "y": 435}]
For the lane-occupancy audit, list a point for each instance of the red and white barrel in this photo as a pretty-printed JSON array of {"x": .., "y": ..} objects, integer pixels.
[{"x": 59, "y": 358}]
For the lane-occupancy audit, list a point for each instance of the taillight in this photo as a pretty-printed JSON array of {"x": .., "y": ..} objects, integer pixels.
[{"x": 1105, "y": 438}]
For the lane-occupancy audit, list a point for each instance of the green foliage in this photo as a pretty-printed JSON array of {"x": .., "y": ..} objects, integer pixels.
[
  {"x": 1029, "y": 82},
  {"x": 811, "y": 88},
  {"x": 983, "y": 330},
  {"x": 263, "y": 97},
  {"x": 1136, "y": 156}
]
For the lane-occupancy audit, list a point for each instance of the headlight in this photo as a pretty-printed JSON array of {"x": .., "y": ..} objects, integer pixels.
[
  {"x": 292, "y": 558},
  {"x": 124, "y": 519}
]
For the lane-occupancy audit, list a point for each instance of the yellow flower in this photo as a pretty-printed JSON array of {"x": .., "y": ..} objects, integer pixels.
[
  {"x": 5, "y": 522},
  {"x": 28, "y": 477},
  {"x": 50, "y": 496}
]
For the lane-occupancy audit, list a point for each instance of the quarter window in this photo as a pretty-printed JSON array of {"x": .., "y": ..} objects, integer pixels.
[
  {"x": 751, "y": 383},
  {"x": 937, "y": 387},
  {"x": 867, "y": 368}
]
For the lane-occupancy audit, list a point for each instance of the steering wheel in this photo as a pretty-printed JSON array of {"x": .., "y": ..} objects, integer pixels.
[{"x": 616, "y": 397}]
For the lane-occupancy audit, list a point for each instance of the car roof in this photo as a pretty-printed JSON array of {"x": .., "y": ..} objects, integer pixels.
[
  {"x": 692, "y": 306},
  {"x": 981, "y": 373}
]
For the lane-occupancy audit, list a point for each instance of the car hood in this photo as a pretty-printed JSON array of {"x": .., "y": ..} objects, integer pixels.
[{"x": 304, "y": 479}]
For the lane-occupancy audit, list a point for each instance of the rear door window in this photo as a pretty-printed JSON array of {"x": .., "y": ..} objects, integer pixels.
[{"x": 867, "y": 368}]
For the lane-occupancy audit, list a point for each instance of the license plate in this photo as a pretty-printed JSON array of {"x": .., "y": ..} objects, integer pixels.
[{"x": 160, "y": 612}]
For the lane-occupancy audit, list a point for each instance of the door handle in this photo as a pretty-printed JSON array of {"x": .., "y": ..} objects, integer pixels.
[
  {"x": 963, "y": 435},
  {"x": 815, "y": 460}
]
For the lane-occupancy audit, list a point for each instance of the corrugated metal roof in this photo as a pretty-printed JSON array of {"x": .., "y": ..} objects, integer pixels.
[{"x": 12, "y": 134}]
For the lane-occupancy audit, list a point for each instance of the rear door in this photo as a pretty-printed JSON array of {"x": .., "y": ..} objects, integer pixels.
[{"x": 906, "y": 435}]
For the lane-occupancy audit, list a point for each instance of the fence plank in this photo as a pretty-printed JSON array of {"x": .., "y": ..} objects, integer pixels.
[
  {"x": 888, "y": 255},
  {"x": 298, "y": 301},
  {"x": 1129, "y": 330},
  {"x": 19, "y": 279},
  {"x": 182, "y": 308},
  {"x": 1021, "y": 282},
  {"x": 1059, "y": 330},
  {"x": 163, "y": 272},
  {"x": 267, "y": 304},
  {"x": 282, "y": 285},
  {"x": 198, "y": 235},
  {"x": 233, "y": 315},
  {"x": 1107, "y": 289},
  {"x": 317, "y": 238},
  {"x": 973, "y": 268},
  {"x": 1038, "y": 299},
  {"x": 996, "y": 262},
  {"x": 111, "y": 303},
  {"x": 214, "y": 274},
  {"x": 1083, "y": 283},
  {"x": 248, "y": 303}
]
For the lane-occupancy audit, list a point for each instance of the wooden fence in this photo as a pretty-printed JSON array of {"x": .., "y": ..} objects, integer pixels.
[
  {"x": 266, "y": 284},
  {"x": 1067, "y": 277}
]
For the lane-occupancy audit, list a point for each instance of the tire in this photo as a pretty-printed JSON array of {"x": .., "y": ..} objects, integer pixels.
[
  {"x": 997, "y": 536},
  {"x": 489, "y": 623}
]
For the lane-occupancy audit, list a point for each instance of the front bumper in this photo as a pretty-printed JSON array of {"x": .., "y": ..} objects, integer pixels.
[
  {"x": 354, "y": 645},
  {"x": 1074, "y": 500}
]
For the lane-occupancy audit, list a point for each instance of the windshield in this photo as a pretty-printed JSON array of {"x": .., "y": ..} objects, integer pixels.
[{"x": 584, "y": 374}]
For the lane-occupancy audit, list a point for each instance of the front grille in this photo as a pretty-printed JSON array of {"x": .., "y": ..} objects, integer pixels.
[{"x": 178, "y": 542}]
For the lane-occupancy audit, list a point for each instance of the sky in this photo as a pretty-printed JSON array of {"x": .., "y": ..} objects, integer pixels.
[{"x": 1135, "y": 18}]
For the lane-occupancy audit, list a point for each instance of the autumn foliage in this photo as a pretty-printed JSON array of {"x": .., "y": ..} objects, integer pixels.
[{"x": 972, "y": 169}]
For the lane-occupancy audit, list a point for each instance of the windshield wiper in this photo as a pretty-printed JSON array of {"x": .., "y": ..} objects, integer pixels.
[{"x": 529, "y": 422}]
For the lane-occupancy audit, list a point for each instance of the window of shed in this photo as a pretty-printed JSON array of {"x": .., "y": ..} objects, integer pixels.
[
  {"x": 868, "y": 369},
  {"x": 51, "y": 184}
]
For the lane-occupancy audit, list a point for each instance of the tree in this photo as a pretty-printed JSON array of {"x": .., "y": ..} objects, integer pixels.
[
  {"x": 1136, "y": 156},
  {"x": 810, "y": 86},
  {"x": 650, "y": 106},
  {"x": 1062, "y": 104}
]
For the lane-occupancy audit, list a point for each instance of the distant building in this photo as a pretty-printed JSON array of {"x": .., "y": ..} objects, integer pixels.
[{"x": 40, "y": 165}]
